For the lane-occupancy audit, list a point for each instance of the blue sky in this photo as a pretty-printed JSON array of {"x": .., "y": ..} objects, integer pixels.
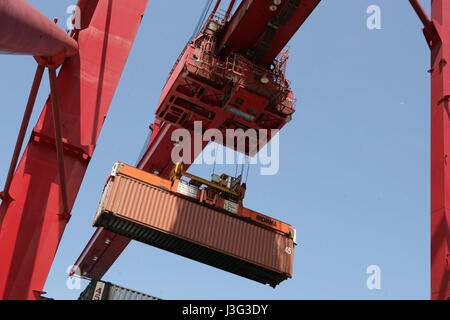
[{"x": 354, "y": 162}]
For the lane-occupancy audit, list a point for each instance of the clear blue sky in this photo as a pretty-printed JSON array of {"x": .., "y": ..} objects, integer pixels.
[{"x": 354, "y": 172}]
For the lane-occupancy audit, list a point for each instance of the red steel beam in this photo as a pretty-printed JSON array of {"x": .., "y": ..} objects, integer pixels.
[
  {"x": 58, "y": 141},
  {"x": 100, "y": 253},
  {"x": 437, "y": 33},
  {"x": 287, "y": 29},
  {"x": 30, "y": 224},
  {"x": 250, "y": 27},
  {"x": 25, "y": 30},
  {"x": 87, "y": 9},
  {"x": 420, "y": 13},
  {"x": 230, "y": 7},
  {"x": 23, "y": 129},
  {"x": 438, "y": 37}
]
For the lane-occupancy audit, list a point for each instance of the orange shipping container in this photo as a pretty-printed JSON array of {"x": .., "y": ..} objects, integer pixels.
[{"x": 153, "y": 215}]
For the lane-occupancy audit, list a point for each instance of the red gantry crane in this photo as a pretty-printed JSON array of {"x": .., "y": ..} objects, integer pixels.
[
  {"x": 40, "y": 192},
  {"x": 230, "y": 76}
]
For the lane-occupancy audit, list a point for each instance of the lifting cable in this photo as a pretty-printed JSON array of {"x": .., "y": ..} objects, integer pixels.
[
  {"x": 215, "y": 158},
  {"x": 248, "y": 169},
  {"x": 202, "y": 19}
]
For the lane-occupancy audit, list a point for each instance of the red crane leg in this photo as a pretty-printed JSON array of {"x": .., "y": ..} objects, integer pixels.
[
  {"x": 439, "y": 39},
  {"x": 30, "y": 227},
  {"x": 25, "y": 30}
]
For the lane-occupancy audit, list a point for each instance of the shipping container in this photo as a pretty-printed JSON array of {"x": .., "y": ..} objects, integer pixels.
[
  {"x": 101, "y": 290},
  {"x": 142, "y": 207}
]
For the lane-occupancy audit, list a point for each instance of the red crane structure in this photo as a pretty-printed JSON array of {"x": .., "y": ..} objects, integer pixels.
[
  {"x": 249, "y": 41},
  {"x": 40, "y": 192},
  {"x": 437, "y": 34},
  {"x": 213, "y": 81}
]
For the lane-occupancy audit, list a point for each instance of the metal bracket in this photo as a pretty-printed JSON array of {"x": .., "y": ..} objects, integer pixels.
[
  {"x": 64, "y": 216},
  {"x": 5, "y": 196},
  {"x": 430, "y": 30},
  {"x": 444, "y": 99},
  {"x": 432, "y": 35},
  {"x": 76, "y": 151},
  {"x": 38, "y": 294},
  {"x": 52, "y": 63}
]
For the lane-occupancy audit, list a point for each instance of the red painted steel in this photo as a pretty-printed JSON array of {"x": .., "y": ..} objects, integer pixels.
[
  {"x": 225, "y": 93},
  {"x": 107, "y": 247},
  {"x": 438, "y": 37},
  {"x": 421, "y": 13},
  {"x": 87, "y": 10},
  {"x": 25, "y": 30},
  {"x": 23, "y": 128},
  {"x": 255, "y": 30},
  {"x": 246, "y": 35},
  {"x": 216, "y": 6},
  {"x": 230, "y": 7},
  {"x": 287, "y": 29},
  {"x": 58, "y": 142},
  {"x": 30, "y": 227}
]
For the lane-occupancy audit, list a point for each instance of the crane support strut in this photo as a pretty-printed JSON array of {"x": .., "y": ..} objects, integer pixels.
[
  {"x": 4, "y": 195},
  {"x": 437, "y": 34},
  {"x": 52, "y": 64},
  {"x": 58, "y": 141},
  {"x": 31, "y": 226}
]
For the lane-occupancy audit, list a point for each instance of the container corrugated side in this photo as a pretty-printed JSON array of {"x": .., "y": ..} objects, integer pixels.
[
  {"x": 157, "y": 217},
  {"x": 101, "y": 290},
  {"x": 120, "y": 293}
]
